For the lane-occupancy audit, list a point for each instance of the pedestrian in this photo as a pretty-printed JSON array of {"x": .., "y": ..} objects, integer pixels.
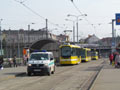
[
  {"x": 114, "y": 56},
  {"x": 25, "y": 60},
  {"x": 117, "y": 60},
  {"x": 27, "y": 57},
  {"x": 14, "y": 61},
  {"x": 10, "y": 62},
  {"x": 111, "y": 58},
  {"x": 1, "y": 62}
]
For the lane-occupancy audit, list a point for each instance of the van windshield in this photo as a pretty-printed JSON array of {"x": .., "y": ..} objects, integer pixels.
[{"x": 39, "y": 57}]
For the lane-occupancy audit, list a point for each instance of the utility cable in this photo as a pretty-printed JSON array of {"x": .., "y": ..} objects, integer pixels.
[
  {"x": 76, "y": 7},
  {"x": 81, "y": 13},
  {"x": 22, "y": 3}
]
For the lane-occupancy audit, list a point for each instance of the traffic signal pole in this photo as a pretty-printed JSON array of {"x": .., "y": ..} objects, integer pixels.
[{"x": 113, "y": 37}]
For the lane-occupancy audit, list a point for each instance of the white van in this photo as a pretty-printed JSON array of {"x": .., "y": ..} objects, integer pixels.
[{"x": 41, "y": 62}]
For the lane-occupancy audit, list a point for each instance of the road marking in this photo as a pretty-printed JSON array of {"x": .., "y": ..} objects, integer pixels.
[{"x": 6, "y": 78}]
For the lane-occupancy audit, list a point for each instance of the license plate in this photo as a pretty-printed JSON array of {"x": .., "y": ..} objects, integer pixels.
[{"x": 37, "y": 70}]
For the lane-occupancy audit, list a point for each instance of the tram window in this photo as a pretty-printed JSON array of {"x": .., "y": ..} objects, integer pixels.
[
  {"x": 88, "y": 53},
  {"x": 93, "y": 54},
  {"x": 82, "y": 52},
  {"x": 66, "y": 51},
  {"x": 78, "y": 51},
  {"x": 73, "y": 52}
]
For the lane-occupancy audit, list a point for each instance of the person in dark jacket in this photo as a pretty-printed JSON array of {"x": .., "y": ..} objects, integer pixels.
[
  {"x": 14, "y": 61},
  {"x": 114, "y": 56},
  {"x": 1, "y": 62}
]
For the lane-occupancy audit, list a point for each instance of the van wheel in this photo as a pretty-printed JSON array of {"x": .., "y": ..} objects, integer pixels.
[
  {"x": 29, "y": 73},
  {"x": 49, "y": 72},
  {"x": 52, "y": 72}
]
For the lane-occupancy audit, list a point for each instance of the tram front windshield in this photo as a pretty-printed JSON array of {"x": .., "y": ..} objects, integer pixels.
[
  {"x": 94, "y": 54},
  {"x": 66, "y": 51},
  {"x": 82, "y": 53}
]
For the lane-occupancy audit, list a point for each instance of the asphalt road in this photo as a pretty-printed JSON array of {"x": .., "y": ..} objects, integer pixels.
[{"x": 76, "y": 77}]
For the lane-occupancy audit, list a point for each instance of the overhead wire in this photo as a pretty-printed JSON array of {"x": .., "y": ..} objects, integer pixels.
[
  {"x": 24, "y": 0},
  {"x": 22, "y": 3},
  {"x": 81, "y": 13}
]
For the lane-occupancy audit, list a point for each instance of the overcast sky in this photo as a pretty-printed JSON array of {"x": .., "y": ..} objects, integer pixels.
[{"x": 99, "y": 15}]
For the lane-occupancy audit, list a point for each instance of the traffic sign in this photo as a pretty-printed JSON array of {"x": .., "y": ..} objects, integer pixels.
[
  {"x": 118, "y": 19},
  {"x": 113, "y": 44}
]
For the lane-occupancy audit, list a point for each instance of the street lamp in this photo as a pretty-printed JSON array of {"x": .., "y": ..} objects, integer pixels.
[
  {"x": 77, "y": 19},
  {"x": 67, "y": 35},
  {"x": 73, "y": 28},
  {"x": 1, "y": 34},
  {"x": 76, "y": 15},
  {"x": 113, "y": 36},
  {"x": 29, "y": 33},
  {"x": 50, "y": 30}
]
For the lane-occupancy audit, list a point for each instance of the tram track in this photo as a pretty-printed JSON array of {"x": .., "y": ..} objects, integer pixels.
[
  {"x": 86, "y": 85},
  {"x": 81, "y": 76},
  {"x": 92, "y": 79}
]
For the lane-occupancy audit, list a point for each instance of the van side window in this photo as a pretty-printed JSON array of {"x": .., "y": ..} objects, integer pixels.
[{"x": 51, "y": 57}]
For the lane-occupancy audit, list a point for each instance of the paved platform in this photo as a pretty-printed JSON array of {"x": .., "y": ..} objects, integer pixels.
[
  {"x": 9, "y": 73},
  {"x": 108, "y": 78}
]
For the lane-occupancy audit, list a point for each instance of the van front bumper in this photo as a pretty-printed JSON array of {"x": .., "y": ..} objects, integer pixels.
[{"x": 37, "y": 69}]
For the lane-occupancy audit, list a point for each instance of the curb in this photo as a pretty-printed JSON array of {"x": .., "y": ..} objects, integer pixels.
[{"x": 93, "y": 85}]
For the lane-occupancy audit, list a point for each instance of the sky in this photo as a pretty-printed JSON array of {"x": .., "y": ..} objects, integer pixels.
[{"x": 99, "y": 15}]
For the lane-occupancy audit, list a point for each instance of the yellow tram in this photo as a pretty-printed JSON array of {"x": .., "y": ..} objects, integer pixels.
[
  {"x": 94, "y": 55},
  {"x": 70, "y": 54},
  {"x": 85, "y": 54}
]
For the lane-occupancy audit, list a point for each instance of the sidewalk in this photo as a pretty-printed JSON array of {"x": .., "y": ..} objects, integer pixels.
[
  {"x": 108, "y": 79},
  {"x": 9, "y": 73}
]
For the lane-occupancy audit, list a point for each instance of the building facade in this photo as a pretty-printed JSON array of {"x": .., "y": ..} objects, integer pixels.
[{"x": 13, "y": 41}]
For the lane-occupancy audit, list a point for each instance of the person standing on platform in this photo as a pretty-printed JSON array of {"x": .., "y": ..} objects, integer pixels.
[
  {"x": 14, "y": 61},
  {"x": 117, "y": 60},
  {"x": 25, "y": 60},
  {"x": 111, "y": 58}
]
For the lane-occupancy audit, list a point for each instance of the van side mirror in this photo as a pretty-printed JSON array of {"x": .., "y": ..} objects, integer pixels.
[{"x": 51, "y": 58}]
